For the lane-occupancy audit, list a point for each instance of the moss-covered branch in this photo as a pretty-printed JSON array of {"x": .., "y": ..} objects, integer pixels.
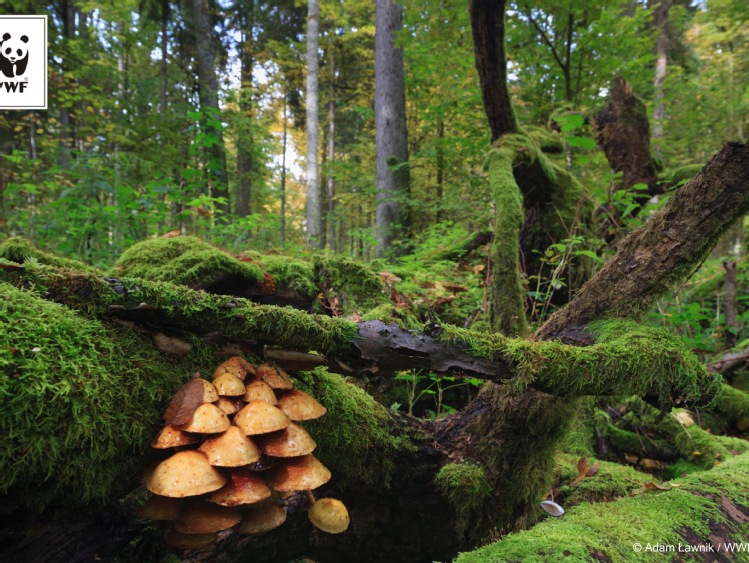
[{"x": 623, "y": 358}]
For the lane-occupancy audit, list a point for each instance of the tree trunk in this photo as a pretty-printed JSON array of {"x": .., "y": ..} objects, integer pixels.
[
  {"x": 392, "y": 218},
  {"x": 283, "y": 172},
  {"x": 661, "y": 61},
  {"x": 487, "y": 22},
  {"x": 244, "y": 140},
  {"x": 209, "y": 100},
  {"x": 314, "y": 211},
  {"x": 165, "y": 10},
  {"x": 331, "y": 158}
]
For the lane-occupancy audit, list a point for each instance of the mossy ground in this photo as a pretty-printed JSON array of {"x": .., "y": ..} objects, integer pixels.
[{"x": 611, "y": 529}]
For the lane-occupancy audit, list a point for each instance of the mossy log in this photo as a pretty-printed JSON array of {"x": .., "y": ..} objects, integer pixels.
[{"x": 386, "y": 464}]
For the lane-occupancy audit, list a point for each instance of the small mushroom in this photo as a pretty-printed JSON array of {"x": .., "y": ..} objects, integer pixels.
[
  {"x": 230, "y": 405},
  {"x": 292, "y": 441},
  {"x": 330, "y": 515},
  {"x": 185, "y": 474},
  {"x": 259, "y": 390},
  {"x": 201, "y": 517},
  {"x": 231, "y": 449},
  {"x": 259, "y": 417},
  {"x": 171, "y": 437},
  {"x": 297, "y": 405},
  {"x": 244, "y": 487},
  {"x": 229, "y": 385},
  {"x": 552, "y": 508},
  {"x": 274, "y": 376},
  {"x": 208, "y": 419},
  {"x": 236, "y": 365},
  {"x": 261, "y": 519},
  {"x": 298, "y": 474},
  {"x": 161, "y": 508}
]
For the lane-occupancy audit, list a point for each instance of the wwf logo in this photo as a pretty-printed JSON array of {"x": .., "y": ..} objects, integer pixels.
[{"x": 14, "y": 55}]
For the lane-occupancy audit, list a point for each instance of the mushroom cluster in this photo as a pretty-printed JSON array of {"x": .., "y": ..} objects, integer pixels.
[{"x": 239, "y": 452}]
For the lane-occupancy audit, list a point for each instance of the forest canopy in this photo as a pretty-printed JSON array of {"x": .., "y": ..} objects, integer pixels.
[{"x": 500, "y": 244}]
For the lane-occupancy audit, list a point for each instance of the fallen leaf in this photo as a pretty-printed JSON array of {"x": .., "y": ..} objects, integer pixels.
[
  {"x": 184, "y": 403},
  {"x": 592, "y": 470},
  {"x": 582, "y": 466},
  {"x": 662, "y": 487}
]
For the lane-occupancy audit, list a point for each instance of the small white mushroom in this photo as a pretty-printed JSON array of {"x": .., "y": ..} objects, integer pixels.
[{"x": 552, "y": 508}]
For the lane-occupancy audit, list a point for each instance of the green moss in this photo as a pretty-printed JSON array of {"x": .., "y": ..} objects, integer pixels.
[
  {"x": 731, "y": 405},
  {"x": 681, "y": 468},
  {"x": 579, "y": 438},
  {"x": 389, "y": 314},
  {"x": 17, "y": 249},
  {"x": 81, "y": 401},
  {"x": 466, "y": 487},
  {"x": 627, "y": 358},
  {"x": 611, "y": 481},
  {"x": 508, "y": 296},
  {"x": 183, "y": 260},
  {"x": 357, "y": 438},
  {"x": 287, "y": 271},
  {"x": 356, "y": 286},
  {"x": 611, "y": 529}
]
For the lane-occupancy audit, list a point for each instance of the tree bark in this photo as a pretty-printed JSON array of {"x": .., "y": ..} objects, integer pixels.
[
  {"x": 331, "y": 158},
  {"x": 667, "y": 249},
  {"x": 245, "y": 140},
  {"x": 661, "y": 62},
  {"x": 487, "y": 23},
  {"x": 209, "y": 104},
  {"x": 392, "y": 219},
  {"x": 314, "y": 212}
]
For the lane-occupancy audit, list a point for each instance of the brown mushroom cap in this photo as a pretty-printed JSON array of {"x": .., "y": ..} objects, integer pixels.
[
  {"x": 229, "y": 385},
  {"x": 297, "y": 405},
  {"x": 298, "y": 474},
  {"x": 161, "y": 508},
  {"x": 236, "y": 365},
  {"x": 292, "y": 441},
  {"x": 171, "y": 437},
  {"x": 259, "y": 417},
  {"x": 201, "y": 517},
  {"x": 259, "y": 390},
  {"x": 244, "y": 487},
  {"x": 178, "y": 540},
  {"x": 230, "y": 405},
  {"x": 208, "y": 419},
  {"x": 330, "y": 515},
  {"x": 274, "y": 376},
  {"x": 231, "y": 449},
  {"x": 262, "y": 519},
  {"x": 185, "y": 474}
]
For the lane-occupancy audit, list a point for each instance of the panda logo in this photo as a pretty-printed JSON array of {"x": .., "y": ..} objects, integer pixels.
[{"x": 14, "y": 55}]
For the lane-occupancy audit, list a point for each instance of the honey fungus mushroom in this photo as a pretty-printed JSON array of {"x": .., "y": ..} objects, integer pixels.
[
  {"x": 259, "y": 417},
  {"x": 297, "y": 405},
  {"x": 330, "y": 515},
  {"x": 298, "y": 474},
  {"x": 185, "y": 474}
]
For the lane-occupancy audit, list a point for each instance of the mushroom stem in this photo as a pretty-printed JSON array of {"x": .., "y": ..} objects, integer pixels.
[{"x": 310, "y": 497}]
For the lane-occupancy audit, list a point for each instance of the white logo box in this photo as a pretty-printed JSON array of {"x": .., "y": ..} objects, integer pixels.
[{"x": 23, "y": 62}]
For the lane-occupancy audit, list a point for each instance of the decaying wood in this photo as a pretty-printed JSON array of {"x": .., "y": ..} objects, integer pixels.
[{"x": 666, "y": 250}]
